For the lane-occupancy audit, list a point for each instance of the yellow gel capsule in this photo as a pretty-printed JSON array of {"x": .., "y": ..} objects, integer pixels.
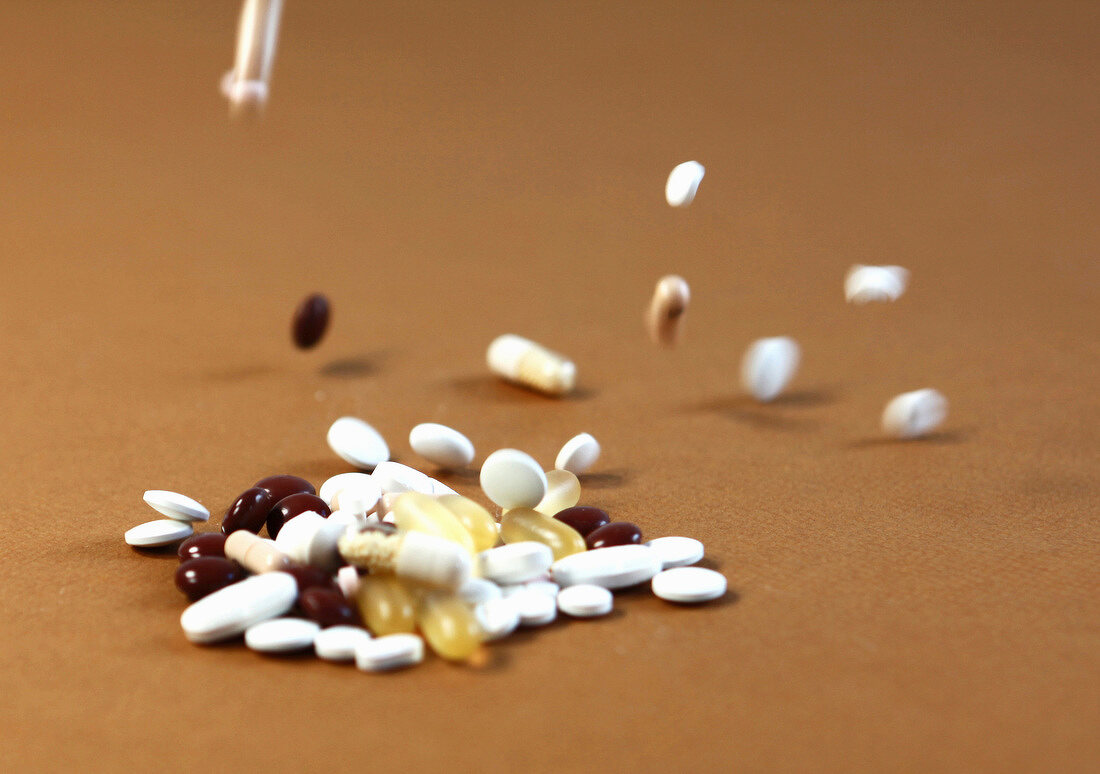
[
  {"x": 449, "y": 626},
  {"x": 478, "y": 522},
  {"x": 563, "y": 490},
  {"x": 521, "y": 524},
  {"x": 424, "y": 513},
  {"x": 386, "y": 605}
]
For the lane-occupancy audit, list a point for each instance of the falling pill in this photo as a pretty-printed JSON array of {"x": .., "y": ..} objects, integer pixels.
[
  {"x": 683, "y": 182},
  {"x": 768, "y": 366},
  {"x": 665, "y": 317},
  {"x": 310, "y": 321},
  {"x": 864, "y": 284},
  {"x": 914, "y": 414}
]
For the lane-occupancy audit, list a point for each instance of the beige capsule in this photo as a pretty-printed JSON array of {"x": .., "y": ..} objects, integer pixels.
[
  {"x": 665, "y": 318},
  {"x": 254, "y": 553},
  {"x": 532, "y": 365}
]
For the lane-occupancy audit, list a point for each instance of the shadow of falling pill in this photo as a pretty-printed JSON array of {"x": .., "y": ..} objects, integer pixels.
[
  {"x": 605, "y": 479},
  {"x": 494, "y": 388},
  {"x": 941, "y": 438},
  {"x": 242, "y": 373},
  {"x": 354, "y": 366}
]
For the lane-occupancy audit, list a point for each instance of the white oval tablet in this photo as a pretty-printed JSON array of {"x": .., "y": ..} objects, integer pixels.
[
  {"x": 395, "y": 478},
  {"x": 357, "y": 443},
  {"x": 281, "y": 635},
  {"x": 578, "y": 454},
  {"x": 864, "y": 284},
  {"x": 498, "y": 617},
  {"x": 534, "y": 607},
  {"x": 442, "y": 445},
  {"x": 683, "y": 182},
  {"x": 769, "y": 364},
  {"x": 515, "y": 562},
  {"x": 613, "y": 568},
  {"x": 332, "y": 487},
  {"x": 176, "y": 506},
  {"x": 512, "y": 479},
  {"x": 389, "y": 652},
  {"x": 162, "y": 532},
  {"x": 230, "y": 611},
  {"x": 689, "y": 584},
  {"x": 477, "y": 590},
  {"x": 585, "y": 600},
  {"x": 913, "y": 414},
  {"x": 677, "y": 551},
  {"x": 338, "y": 643}
]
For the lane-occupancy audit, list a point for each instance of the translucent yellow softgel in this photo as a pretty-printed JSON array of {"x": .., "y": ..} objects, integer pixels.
[
  {"x": 449, "y": 626},
  {"x": 521, "y": 524},
  {"x": 386, "y": 605},
  {"x": 563, "y": 490},
  {"x": 424, "y": 513},
  {"x": 478, "y": 522}
]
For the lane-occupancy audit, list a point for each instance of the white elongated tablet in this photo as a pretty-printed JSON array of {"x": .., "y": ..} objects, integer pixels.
[
  {"x": 534, "y": 607},
  {"x": 230, "y": 611},
  {"x": 176, "y": 506},
  {"x": 281, "y": 635},
  {"x": 478, "y": 590},
  {"x": 689, "y": 584},
  {"x": 768, "y": 366},
  {"x": 442, "y": 445},
  {"x": 547, "y": 587},
  {"x": 613, "y": 568},
  {"x": 333, "y": 486},
  {"x": 677, "y": 551},
  {"x": 512, "y": 479},
  {"x": 395, "y": 478},
  {"x": 864, "y": 284},
  {"x": 338, "y": 643},
  {"x": 515, "y": 562},
  {"x": 585, "y": 600},
  {"x": 357, "y": 443},
  {"x": 162, "y": 532},
  {"x": 683, "y": 182},
  {"x": 392, "y": 651},
  {"x": 913, "y": 414},
  {"x": 498, "y": 617},
  {"x": 578, "y": 454}
]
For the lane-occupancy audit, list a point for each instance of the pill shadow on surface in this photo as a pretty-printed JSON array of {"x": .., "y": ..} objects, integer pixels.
[
  {"x": 355, "y": 366},
  {"x": 943, "y": 438},
  {"x": 242, "y": 373},
  {"x": 170, "y": 553},
  {"x": 493, "y": 388},
  {"x": 607, "y": 479},
  {"x": 746, "y": 410}
]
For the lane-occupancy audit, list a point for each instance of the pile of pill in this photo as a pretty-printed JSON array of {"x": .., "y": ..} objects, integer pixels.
[{"x": 379, "y": 568}]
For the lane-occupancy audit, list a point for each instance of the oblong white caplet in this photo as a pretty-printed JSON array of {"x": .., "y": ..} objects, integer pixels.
[
  {"x": 677, "y": 551},
  {"x": 357, "y": 443},
  {"x": 512, "y": 479},
  {"x": 683, "y": 182},
  {"x": 389, "y": 652},
  {"x": 863, "y": 284},
  {"x": 332, "y": 487},
  {"x": 578, "y": 454},
  {"x": 768, "y": 366},
  {"x": 161, "y": 532},
  {"x": 441, "y": 445},
  {"x": 281, "y": 635},
  {"x": 585, "y": 600},
  {"x": 916, "y": 413},
  {"x": 176, "y": 506},
  {"x": 231, "y": 610},
  {"x": 515, "y": 562},
  {"x": 613, "y": 568},
  {"x": 689, "y": 584},
  {"x": 338, "y": 643},
  {"x": 395, "y": 478}
]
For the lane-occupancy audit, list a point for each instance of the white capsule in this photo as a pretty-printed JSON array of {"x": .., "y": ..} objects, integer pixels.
[
  {"x": 357, "y": 443},
  {"x": 392, "y": 651},
  {"x": 176, "y": 506},
  {"x": 498, "y": 617},
  {"x": 768, "y": 366},
  {"x": 161, "y": 532},
  {"x": 532, "y": 365},
  {"x": 683, "y": 182},
  {"x": 677, "y": 551},
  {"x": 347, "y": 578},
  {"x": 863, "y": 284},
  {"x": 309, "y": 538},
  {"x": 578, "y": 454},
  {"x": 338, "y": 643},
  {"x": 689, "y": 585},
  {"x": 281, "y": 635},
  {"x": 441, "y": 445},
  {"x": 534, "y": 607},
  {"x": 515, "y": 562},
  {"x": 613, "y": 568},
  {"x": 913, "y": 414},
  {"x": 332, "y": 487},
  {"x": 246, "y": 85},
  {"x": 512, "y": 479},
  {"x": 585, "y": 600},
  {"x": 231, "y": 610},
  {"x": 395, "y": 478},
  {"x": 478, "y": 590}
]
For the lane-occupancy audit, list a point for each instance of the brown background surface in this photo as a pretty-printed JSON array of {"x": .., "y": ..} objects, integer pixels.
[{"x": 448, "y": 172}]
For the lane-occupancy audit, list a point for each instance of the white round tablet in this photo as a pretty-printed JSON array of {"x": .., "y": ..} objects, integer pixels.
[
  {"x": 333, "y": 486},
  {"x": 534, "y": 607},
  {"x": 357, "y": 443},
  {"x": 389, "y": 652},
  {"x": 864, "y": 284},
  {"x": 338, "y": 643},
  {"x": 913, "y": 414},
  {"x": 395, "y": 478},
  {"x": 162, "y": 532},
  {"x": 498, "y": 617},
  {"x": 512, "y": 479},
  {"x": 585, "y": 601},
  {"x": 677, "y": 551},
  {"x": 683, "y": 182},
  {"x": 281, "y": 635},
  {"x": 442, "y": 445},
  {"x": 515, "y": 562},
  {"x": 689, "y": 584},
  {"x": 578, "y": 454},
  {"x": 613, "y": 568},
  {"x": 230, "y": 611},
  {"x": 768, "y": 366},
  {"x": 176, "y": 506}
]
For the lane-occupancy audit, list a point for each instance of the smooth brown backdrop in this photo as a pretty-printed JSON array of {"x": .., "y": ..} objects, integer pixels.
[{"x": 450, "y": 171}]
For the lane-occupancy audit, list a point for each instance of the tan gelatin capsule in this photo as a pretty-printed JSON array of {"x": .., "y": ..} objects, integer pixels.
[
  {"x": 254, "y": 553},
  {"x": 532, "y": 365},
  {"x": 478, "y": 522},
  {"x": 449, "y": 626},
  {"x": 520, "y": 524},
  {"x": 386, "y": 605},
  {"x": 563, "y": 490},
  {"x": 424, "y": 513},
  {"x": 665, "y": 318}
]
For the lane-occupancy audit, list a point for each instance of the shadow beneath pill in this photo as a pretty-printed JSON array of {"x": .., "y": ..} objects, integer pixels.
[
  {"x": 242, "y": 373},
  {"x": 820, "y": 396},
  {"x": 607, "y": 479},
  {"x": 170, "y": 553},
  {"x": 493, "y": 388},
  {"x": 942, "y": 438},
  {"x": 355, "y": 366}
]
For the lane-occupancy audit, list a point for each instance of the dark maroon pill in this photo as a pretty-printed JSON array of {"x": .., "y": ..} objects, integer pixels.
[
  {"x": 204, "y": 544},
  {"x": 583, "y": 518},
  {"x": 327, "y": 607},
  {"x": 285, "y": 485},
  {"x": 310, "y": 321},
  {"x": 198, "y": 577},
  {"x": 249, "y": 511},
  {"x": 619, "y": 533},
  {"x": 289, "y": 507},
  {"x": 309, "y": 577}
]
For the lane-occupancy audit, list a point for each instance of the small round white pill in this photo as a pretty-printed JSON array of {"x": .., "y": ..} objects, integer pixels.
[
  {"x": 864, "y": 284},
  {"x": 389, "y": 652},
  {"x": 281, "y": 635},
  {"x": 512, "y": 479},
  {"x": 613, "y": 568},
  {"x": 585, "y": 600},
  {"x": 332, "y": 487},
  {"x": 338, "y": 643},
  {"x": 161, "y": 532},
  {"x": 677, "y": 551},
  {"x": 769, "y": 364},
  {"x": 534, "y": 607},
  {"x": 395, "y": 478},
  {"x": 913, "y": 414},
  {"x": 578, "y": 454},
  {"x": 498, "y": 617},
  {"x": 230, "y": 611},
  {"x": 683, "y": 182},
  {"x": 357, "y": 443},
  {"x": 478, "y": 590},
  {"x": 515, "y": 562},
  {"x": 441, "y": 445},
  {"x": 176, "y": 506},
  {"x": 689, "y": 584}
]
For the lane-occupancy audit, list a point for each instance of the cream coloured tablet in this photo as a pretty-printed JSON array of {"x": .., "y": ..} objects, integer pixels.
[
  {"x": 498, "y": 617},
  {"x": 534, "y": 607},
  {"x": 585, "y": 600},
  {"x": 231, "y": 610},
  {"x": 683, "y": 182},
  {"x": 161, "y": 532},
  {"x": 338, "y": 643},
  {"x": 677, "y": 551},
  {"x": 768, "y": 366},
  {"x": 442, "y": 445},
  {"x": 395, "y": 478},
  {"x": 176, "y": 506},
  {"x": 347, "y": 578},
  {"x": 333, "y": 486},
  {"x": 689, "y": 584},
  {"x": 357, "y": 443},
  {"x": 281, "y": 635},
  {"x": 916, "y": 413},
  {"x": 392, "y": 651},
  {"x": 512, "y": 479},
  {"x": 578, "y": 454},
  {"x": 515, "y": 562},
  {"x": 613, "y": 568},
  {"x": 864, "y": 284}
]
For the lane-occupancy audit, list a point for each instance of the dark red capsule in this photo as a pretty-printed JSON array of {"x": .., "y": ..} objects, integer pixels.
[
  {"x": 249, "y": 511},
  {"x": 198, "y": 577},
  {"x": 204, "y": 544},
  {"x": 310, "y": 321},
  {"x": 583, "y": 518},
  {"x": 285, "y": 485},
  {"x": 619, "y": 533},
  {"x": 309, "y": 577},
  {"x": 327, "y": 607},
  {"x": 289, "y": 507}
]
